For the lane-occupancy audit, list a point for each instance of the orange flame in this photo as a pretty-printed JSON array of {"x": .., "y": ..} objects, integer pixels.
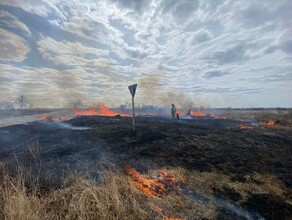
[
  {"x": 100, "y": 110},
  {"x": 152, "y": 186},
  {"x": 198, "y": 114},
  {"x": 270, "y": 123},
  {"x": 203, "y": 114},
  {"x": 179, "y": 112}
]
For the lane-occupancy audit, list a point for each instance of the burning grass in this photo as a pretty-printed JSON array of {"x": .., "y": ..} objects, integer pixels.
[
  {"x": 270, "y": 122},
  {"x": 157, "y": 185},
  {"x": 112, "y": 196},
  {"x": 100, "y": 110}
]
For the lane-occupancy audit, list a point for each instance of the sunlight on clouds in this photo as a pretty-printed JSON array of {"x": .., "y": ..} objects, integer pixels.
[
  {"x": 13, "y": 47},
  {"x": 69, "y": 53}
]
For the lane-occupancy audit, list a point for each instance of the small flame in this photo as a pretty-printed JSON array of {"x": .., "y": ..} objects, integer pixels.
[
  {"x": 270, "y": 123},
  {"x": 152, "y": 186}
]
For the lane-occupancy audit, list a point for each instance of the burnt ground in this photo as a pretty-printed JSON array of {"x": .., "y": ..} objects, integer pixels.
[{"x": 202, "y": 144}]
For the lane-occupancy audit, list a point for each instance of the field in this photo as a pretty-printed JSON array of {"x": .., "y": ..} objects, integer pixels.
[{"x": 93, "y": 167}]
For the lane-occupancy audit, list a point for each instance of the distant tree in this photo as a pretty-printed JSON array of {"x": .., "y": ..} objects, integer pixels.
[
  {"x": 22, "y": 101},
  {"x": 7, "y": 105}
]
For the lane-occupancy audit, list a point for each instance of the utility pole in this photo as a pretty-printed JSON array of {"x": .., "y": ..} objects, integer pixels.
[{"x": 132, "y": 89}]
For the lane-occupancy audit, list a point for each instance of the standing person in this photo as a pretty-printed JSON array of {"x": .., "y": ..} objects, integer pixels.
[
  {"x": 189, "y": 112},
  {"x": 173, "y": 111}
]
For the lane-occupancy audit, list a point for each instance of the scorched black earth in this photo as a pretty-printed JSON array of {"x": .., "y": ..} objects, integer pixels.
[{"x": 204, "y": 145}]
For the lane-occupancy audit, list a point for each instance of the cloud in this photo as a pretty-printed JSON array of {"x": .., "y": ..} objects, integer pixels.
[
  {"x": 13, "y": 47},
  {"x": 231, "y": 55},
  {"x": 10, "y": 21},
  {"x": 69, "y": 53},
  {"x": 139, "y": 6},
  {"x": 230, "y": 90},
  {"x": 214, "y": 74},
  {"x": 202, "y": 36},
  {"x": 259, "y": 14},
  {"x": 41, "y": 8},
  {"x": 285, "y": 41},
  {"x": 190, "y": 47}
]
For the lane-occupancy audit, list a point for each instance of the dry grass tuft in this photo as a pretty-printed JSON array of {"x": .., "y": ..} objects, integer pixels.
[{"x": 205, "y": 182}]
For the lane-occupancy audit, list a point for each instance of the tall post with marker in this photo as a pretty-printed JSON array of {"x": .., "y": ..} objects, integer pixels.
[{"x": 132, "y": 89}]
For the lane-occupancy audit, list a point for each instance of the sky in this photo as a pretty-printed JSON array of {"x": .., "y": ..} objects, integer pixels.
[{"x": 229, "y": 53}]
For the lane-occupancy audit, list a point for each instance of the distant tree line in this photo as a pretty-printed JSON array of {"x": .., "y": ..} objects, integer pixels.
[{"x": 21, "y": 102}]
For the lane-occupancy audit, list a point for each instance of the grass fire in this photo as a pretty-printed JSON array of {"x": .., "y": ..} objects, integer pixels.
[
  {"x": 145, "y": 110},
  {"x": 89, "y": 163}
]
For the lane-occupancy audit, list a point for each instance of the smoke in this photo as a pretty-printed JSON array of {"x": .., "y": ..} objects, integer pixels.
[
  {"x": 221, "y": 203},
  {"x": 154, "y": 89},
  {"x": 71, "y": 127},
  {"x": 61, "y": 124}
]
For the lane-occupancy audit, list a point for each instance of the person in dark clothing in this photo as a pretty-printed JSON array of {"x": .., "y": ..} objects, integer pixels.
[{"x": 173, "y": 111}]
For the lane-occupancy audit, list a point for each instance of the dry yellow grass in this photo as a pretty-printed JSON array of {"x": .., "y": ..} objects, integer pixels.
[
  {"x": 113, "y": 196},
  {"x": 205, "y": 182}
]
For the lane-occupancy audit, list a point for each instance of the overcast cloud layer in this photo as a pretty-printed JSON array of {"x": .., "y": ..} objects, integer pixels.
[{"x": 191, "y": 52}]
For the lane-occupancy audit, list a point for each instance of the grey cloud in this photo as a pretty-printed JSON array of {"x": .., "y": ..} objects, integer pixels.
[
  {"x": 271, "y": 49},
  {"x": 13, "y": 47},
  {"x": 210, "y": 5},
  {"x": 281, "y": 77},
  {"x": 285, "y": 41},
  {"x": 136, "y": 53},
  {"x": 234, "y": 54},
  {"x": 287, "y": 46},
  {"x": 180, "y": 10},
  {"x": 252, "y": 14},
  {"x": 202, "y": 36},
  {"x": 137, "y": 5},
  {"x": 239, "y": 90},
  {"x": 256, "y": 15},
  {"x": 214, "y": 74},
  {"x": 183, "y": 11}
]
